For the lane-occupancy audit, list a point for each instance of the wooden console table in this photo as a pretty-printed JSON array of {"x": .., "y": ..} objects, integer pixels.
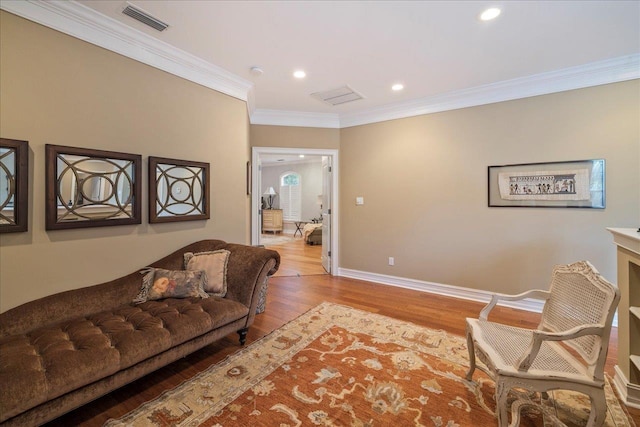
[{"x": 627, "y": 371}]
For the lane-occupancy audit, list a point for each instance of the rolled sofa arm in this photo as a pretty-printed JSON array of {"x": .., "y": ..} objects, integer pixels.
[{"x": 247, "y": 272}]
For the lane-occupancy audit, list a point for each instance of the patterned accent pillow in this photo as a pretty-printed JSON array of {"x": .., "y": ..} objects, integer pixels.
[
  {"x": 159, "y": 283},
  {"x": 215, "y": 265}
]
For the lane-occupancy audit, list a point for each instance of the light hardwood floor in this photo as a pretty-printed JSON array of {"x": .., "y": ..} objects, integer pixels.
[
  {"x": 299, "y": 286},
  {"x": 298, "y": 259}
]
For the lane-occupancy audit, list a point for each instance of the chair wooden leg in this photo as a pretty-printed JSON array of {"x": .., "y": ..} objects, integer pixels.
[
  {"x": 472, "y": 356},
  {"x": 598, "y": 409},
  {"x": 502, "y": 392}
]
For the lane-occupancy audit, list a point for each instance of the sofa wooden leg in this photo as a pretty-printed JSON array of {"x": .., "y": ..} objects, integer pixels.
[{"x": 243, "y": 335}]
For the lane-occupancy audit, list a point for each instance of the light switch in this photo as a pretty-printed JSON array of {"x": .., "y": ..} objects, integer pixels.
[{"x": 359, "y": 200}]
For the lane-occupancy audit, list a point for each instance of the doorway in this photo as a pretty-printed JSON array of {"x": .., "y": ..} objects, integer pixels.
[{"x": 329, "y": 199}]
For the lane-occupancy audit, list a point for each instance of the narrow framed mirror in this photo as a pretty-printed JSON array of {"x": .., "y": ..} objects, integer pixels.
[
  {"x": 91, "y": 188},
  {"x": 14, "y": 184},
  {"x": 178, "y": 190}
]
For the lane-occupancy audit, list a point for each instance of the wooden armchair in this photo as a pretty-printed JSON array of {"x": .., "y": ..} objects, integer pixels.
[{"x": 568, "y": 349}]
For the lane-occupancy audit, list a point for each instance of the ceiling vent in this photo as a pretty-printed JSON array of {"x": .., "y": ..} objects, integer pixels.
[
  {"x": 338, "y": 96},
  {"x": 145, "y": 18}
]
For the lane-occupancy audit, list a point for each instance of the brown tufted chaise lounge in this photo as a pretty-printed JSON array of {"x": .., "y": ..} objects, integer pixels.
[{"x": 64, "y": 350}]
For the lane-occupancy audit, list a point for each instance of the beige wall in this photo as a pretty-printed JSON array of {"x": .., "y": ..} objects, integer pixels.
[
  {"x": 423, "y": 178},
  {"x": 294, "y": 137},
  {"x": 424, "y": 182},
  {"x": 59, "y": 90}
]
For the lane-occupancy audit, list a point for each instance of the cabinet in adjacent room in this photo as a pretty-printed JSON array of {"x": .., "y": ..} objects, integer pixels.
[{"x": 272, "y": 220}]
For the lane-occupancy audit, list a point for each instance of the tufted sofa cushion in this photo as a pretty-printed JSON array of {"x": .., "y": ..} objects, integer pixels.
[
  {"x": 66, "y": 349},
  {"x": 51, "y": 361}
]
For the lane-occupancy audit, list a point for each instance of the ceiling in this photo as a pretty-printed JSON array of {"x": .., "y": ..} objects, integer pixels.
[
  {"x": 275, "y": 159},
  {"x": 434, "y": 48}
]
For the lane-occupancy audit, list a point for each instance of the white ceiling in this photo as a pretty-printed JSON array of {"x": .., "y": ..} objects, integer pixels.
[
  {"x": 434, "y": 48},
  {"x": 276, "y": 159}
]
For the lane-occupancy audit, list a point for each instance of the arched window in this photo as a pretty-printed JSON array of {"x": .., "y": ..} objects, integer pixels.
[{"x": 291, "y": 196}]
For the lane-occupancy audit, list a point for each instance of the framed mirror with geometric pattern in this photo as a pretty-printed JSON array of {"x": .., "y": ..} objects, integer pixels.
[
  {"x": 178, "y": 190},
  {"x": 91, "y": 188},
  {"x": 14, "y": 184}
]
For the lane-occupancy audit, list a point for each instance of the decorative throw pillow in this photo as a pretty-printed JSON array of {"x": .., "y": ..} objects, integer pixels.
[
  {"x": 215, "y": 265},
  {"x": 159, "y": 283}
]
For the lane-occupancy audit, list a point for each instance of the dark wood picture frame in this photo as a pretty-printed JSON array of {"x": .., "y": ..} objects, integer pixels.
[
  {"x": 569, "y": 184},
  {"x": 53, "y": 196},
  {"x": 160, "y": 210},
  {"x": 20, "y": 188}
]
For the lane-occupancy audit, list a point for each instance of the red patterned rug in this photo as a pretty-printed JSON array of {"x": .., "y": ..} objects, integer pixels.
[{"x": 337, "y": 366}]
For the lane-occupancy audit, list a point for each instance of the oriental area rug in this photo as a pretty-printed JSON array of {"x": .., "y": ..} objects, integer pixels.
[{"x": 338, "y": 366}]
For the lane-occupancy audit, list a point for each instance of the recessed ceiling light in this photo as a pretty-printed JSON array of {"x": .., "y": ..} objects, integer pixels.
[
  {"x": 301, "y": 156},
  {"x": 490, "y": 14},
  {"x": 299, "y": 74},
  {"x": 398, "y": 86}
]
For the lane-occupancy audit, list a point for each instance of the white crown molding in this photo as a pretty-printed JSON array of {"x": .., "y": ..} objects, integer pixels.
[
  {"x": 295, "y": 118},
  {"x": 528, "y": 304},
  {"x": 251, "y": 101},
  {"x": 86, "y": 24},
  {"x": 593, "y": 74}
]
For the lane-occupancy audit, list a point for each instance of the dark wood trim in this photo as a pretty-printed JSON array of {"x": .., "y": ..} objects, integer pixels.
[
  {"x": 21, "y": 197},
  {"x": 51, "y": 179},
  {"x": 153, "y": 190}
]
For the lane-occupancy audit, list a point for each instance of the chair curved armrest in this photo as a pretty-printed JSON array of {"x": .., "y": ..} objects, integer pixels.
[
  {"x": 538, "y": 337},
  {"x": 495, "y": 298}
]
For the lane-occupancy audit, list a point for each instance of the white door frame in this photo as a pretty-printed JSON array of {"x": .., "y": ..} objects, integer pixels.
[{"x": 255, "y": 193}]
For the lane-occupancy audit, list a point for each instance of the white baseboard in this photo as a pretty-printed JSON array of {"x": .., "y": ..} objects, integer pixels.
[
  {"x": 528, "y": 304},
  {"x": 629, "y": 393}
]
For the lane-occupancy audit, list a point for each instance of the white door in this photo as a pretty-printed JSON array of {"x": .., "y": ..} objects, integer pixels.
[
  {"x": 256, "y": 197},
  {"x": 326, "y": 213},
  {"x": 259, "y": 210}
]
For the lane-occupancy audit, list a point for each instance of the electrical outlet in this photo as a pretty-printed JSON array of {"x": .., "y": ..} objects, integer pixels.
[{"x": 391, "y": 261}]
